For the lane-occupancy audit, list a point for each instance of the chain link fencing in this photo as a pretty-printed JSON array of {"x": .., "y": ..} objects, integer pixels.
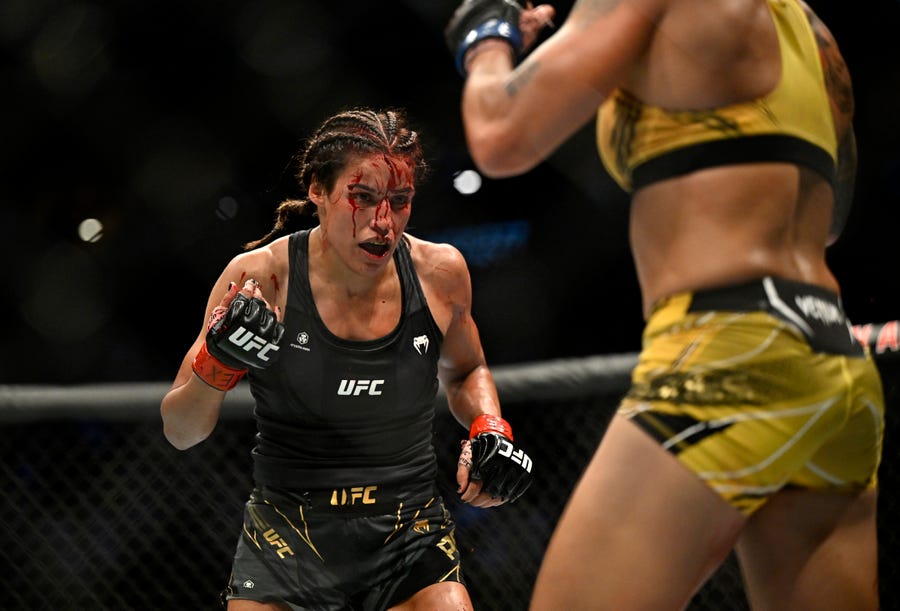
[{"x": 98, "y": 511}]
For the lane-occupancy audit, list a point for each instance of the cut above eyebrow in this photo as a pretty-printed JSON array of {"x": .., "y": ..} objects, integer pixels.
[{"x": 356, "y": 186}]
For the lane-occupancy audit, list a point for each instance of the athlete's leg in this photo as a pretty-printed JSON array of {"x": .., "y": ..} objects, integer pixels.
[
  {"x": 445, "y": 596},
  {"x": 812, "y": 550},
  {"x": 639, "y": 532}
]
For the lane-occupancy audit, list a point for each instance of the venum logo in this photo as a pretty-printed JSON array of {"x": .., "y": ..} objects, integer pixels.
[
  {"x": 420, "y": 343},
  {"x": 819, "y": 309},
  {"x": 358, "y": 387}
]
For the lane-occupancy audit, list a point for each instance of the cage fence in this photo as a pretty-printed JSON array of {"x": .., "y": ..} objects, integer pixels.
[{"x": 98, "y": 511}]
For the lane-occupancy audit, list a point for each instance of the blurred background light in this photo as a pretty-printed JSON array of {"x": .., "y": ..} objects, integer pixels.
[
  {"x": 488, "y": 243},
  {"x": 467, "y": 182},
  {"x": 90, "y": 230}
]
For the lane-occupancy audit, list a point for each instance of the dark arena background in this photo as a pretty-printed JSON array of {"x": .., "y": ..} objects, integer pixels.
[{"x": 142, "y": 142}]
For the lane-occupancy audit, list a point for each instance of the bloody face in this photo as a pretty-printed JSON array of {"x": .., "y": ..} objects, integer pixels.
[{"x": 368, "y": 210}]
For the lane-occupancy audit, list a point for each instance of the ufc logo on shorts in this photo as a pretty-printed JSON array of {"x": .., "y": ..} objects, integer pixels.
[
  {"x": 365, "y": 496},
  {"x": 358, "y": 387},
  {"x": 281, "y": 546},
  {"x": 249, "y": 341},
  {"x": 517, "y": 456}
]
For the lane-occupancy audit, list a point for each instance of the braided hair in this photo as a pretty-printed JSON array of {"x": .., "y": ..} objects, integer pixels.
[{"x": 334, "y": 144}]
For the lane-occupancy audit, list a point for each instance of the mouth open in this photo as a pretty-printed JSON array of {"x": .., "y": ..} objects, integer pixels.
[{"x": 379, "y": 250}]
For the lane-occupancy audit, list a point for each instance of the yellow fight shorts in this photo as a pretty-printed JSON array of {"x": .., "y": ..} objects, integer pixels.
[{"x": 759, "y": 386}]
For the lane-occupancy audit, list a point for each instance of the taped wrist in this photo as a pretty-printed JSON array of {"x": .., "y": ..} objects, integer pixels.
[
  {"x": 492, "y": 28},
  {"x": 487, "y": 423},
  {"x": 214, "y": 372}
]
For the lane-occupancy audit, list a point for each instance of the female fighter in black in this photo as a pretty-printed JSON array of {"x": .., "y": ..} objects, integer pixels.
[{"x": 344, "y": 332}]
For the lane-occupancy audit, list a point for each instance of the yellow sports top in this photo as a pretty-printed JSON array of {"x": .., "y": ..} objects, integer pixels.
[{"x": 641, "y": 144}]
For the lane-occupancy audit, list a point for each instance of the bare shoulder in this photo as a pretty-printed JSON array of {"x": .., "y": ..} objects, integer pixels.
[
  {"x": 443, "y": 273},
  {"x": 263, "y": 259},
  {"x": 444, "y": 276},
  {"x": 267, "y": 264},
  {"x": 437, "y": 260}
]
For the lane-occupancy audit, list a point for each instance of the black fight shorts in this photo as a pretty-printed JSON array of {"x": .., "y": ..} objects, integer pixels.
[{"x": 340, "y": 550}]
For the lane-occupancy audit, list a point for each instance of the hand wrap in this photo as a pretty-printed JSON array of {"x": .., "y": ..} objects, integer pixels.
[
  {"x": 504, "y": 471},
  {"x": 476, "y": 20},
  {"x": 244, "y": 335}
]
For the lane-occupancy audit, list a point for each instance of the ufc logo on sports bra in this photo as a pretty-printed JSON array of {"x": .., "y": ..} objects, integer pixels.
[
  {"x": 360, "y": 387},
  {"x": 249, "y": 341}
]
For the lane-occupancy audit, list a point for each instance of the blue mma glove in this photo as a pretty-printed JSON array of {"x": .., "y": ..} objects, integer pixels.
[{"x": 477, "y": 20}]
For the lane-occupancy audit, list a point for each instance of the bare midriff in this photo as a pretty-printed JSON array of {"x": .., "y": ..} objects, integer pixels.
[{"x": 730, "y": 224}]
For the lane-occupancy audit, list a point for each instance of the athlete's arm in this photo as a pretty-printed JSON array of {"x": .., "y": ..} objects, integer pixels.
[
  {"x": 515, "y": 116},
  {"x": 462, "y": 367},
  {"x": 491, "y": 471},
  {"x": 190, "y": 409}
]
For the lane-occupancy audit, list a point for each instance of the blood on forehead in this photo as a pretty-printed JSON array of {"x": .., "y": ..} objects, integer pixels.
[
  {"x": 382, "y": 176},
  {"x": 401, "y": 175},
  {"x": 387, "y": 173}
]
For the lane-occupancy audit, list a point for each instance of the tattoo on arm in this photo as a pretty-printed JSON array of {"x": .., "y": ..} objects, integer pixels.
[
  {"x": 840, "y": 93},
  {"x": 837, "y": 76},
  {"x": 520, "y": 77}
]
